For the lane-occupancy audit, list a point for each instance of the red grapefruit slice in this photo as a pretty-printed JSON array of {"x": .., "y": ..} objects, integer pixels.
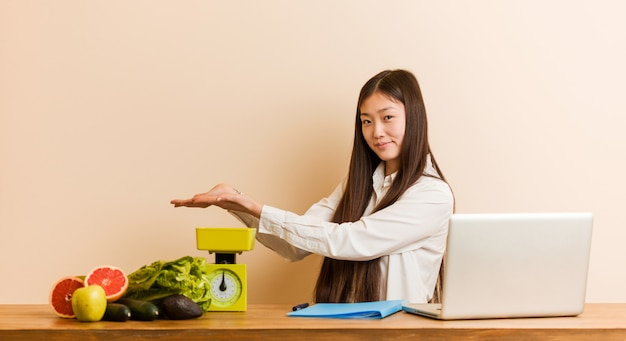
[
  {"x": 112, "y": 279},
  {"x": 60, "y": 298}
]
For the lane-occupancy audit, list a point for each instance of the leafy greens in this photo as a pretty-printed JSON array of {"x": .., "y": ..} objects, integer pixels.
[{"x": 185, "y": 276}]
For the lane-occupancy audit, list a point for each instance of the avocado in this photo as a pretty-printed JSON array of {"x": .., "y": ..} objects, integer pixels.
[{"x": 180, "y": 307}]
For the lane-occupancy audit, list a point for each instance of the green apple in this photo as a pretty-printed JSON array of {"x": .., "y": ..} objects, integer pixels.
[{"x": 89, "y": 303}]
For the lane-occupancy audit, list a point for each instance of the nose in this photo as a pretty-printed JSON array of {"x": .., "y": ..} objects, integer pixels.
[{"x": 377, "y": 130}]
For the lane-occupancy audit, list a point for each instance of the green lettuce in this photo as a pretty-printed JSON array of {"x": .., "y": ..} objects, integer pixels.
[{"x": 185, "y": 276}]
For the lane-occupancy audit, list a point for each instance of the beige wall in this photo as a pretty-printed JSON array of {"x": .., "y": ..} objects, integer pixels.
[{"x": 109, "y": 109}]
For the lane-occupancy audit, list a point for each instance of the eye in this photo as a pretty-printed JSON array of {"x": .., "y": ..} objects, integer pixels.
[
  {"x": 366, "y": 122},
  {"x": 388, "y": 117}
]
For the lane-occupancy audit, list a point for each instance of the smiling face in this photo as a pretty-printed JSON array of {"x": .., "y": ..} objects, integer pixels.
[{"x": 383, "y": 123}]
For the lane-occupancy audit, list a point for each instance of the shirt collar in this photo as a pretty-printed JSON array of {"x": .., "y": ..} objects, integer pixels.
[{"x": 381, "y": 181}]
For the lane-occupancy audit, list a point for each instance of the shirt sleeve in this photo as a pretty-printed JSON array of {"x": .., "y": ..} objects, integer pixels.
[
  {"x": 422, "y": 212},
  {"x": 323, "y": 210}
]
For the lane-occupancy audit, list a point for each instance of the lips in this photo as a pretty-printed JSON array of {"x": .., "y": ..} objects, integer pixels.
[{"x": 382, "y": 145}]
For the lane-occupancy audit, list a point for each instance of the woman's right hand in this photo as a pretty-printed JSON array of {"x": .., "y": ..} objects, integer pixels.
[{"x": 223, "y": 196}]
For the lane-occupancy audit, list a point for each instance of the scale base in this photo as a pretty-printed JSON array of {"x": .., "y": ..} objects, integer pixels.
[{"x": 233, "y": 296}]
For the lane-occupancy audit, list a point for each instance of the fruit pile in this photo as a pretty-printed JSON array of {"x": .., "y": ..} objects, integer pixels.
[{"x": 99, "y": 296}]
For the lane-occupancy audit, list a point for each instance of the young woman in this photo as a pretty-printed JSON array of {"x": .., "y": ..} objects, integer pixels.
[{"x": 383, "y": 230}]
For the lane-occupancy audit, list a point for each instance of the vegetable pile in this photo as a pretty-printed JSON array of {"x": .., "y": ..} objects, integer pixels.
[{"x": 185, "y": 276}]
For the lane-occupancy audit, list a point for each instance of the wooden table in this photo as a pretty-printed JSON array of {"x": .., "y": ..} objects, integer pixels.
[{"x": 269, "y": 322}]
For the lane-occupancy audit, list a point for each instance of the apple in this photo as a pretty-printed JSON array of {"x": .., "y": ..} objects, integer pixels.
[{"x": 89, "y": 303}]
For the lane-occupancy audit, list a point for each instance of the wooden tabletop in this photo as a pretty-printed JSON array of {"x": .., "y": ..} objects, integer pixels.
[{"x": 269, "y": 322}]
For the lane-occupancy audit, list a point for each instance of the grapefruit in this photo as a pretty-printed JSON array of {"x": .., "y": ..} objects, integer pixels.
[
  {"x": 112, "y": 279},
  {"x": 60, "y": 298}
]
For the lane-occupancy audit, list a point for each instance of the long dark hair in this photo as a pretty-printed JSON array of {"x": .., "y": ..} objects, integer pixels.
[{"x": 359, "y": 281}]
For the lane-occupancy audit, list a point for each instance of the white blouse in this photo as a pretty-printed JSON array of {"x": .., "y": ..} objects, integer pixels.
[{"x": 409, "y": 236}]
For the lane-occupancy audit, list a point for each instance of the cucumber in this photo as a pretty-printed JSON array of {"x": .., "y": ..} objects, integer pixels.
[
  {"x": 140, "y": 310},
  {"x": 116, "y": 312}
]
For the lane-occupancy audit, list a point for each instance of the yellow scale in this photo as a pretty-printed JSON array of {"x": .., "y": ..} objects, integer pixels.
[{"x": 228, "y": 279}]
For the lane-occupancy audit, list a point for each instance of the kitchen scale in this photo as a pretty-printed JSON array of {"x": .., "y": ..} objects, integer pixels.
[{"x": 228, "y": 280}]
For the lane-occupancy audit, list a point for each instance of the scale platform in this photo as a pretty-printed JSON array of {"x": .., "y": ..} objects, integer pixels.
[{"x": 225, "y": 239}]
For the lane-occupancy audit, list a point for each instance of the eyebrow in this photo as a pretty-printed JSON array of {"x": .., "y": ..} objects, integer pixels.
[{"x": 379, "y": 111}]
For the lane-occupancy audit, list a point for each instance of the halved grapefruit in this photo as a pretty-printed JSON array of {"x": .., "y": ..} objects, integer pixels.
[
  {"x": 60, "y": 298},
  {"x": 112, "y": 279}
]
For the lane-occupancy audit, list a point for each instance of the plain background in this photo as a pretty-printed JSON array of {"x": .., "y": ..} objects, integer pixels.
[{"x": 110, "y": 109}]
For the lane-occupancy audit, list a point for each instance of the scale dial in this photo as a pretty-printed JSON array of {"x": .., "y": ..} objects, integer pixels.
[{"x": 226, "y": 288}]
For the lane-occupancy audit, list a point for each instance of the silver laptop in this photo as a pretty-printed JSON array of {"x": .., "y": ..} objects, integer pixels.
[{"x": 513, "y": 265}]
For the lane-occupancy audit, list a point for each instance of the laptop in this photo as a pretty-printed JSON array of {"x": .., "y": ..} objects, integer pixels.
[{"x": 512, "y": 265}]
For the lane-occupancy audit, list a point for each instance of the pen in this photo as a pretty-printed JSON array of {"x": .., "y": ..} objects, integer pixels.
[{"x": 300, "y": 306}]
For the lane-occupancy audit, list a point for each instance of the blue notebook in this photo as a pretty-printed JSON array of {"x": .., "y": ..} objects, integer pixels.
[{"x": 362, "y": 310}]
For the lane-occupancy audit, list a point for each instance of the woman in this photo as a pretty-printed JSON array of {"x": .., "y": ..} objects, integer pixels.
[{"x": 383, "y": 230}]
